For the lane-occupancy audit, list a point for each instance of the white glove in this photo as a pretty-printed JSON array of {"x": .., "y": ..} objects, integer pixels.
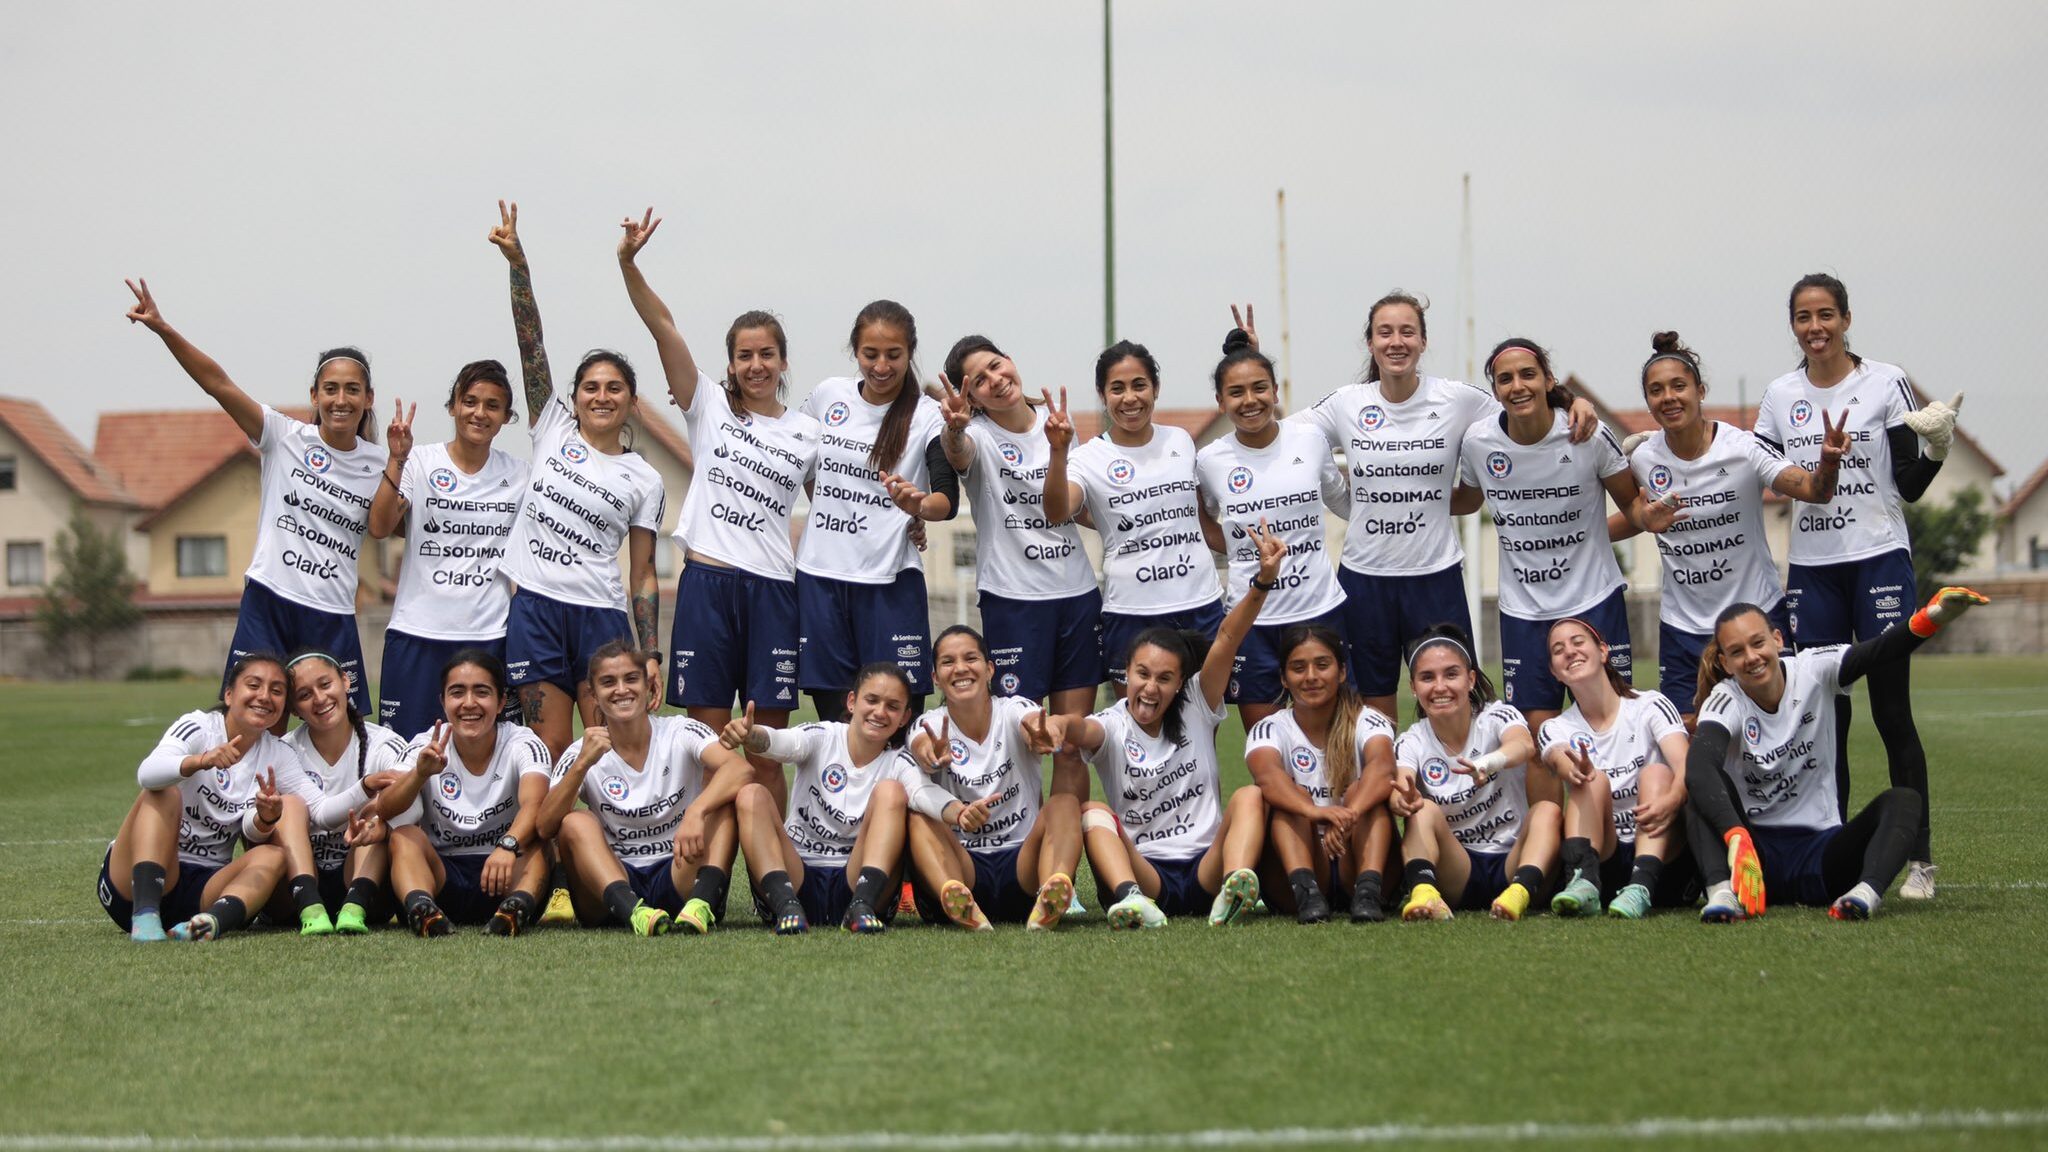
[
  {"x": 1936, "y": 424},
  {"x": 1633, "y": 442}
]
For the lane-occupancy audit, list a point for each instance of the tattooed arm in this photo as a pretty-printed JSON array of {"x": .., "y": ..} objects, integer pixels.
[
  {"x": 646, "y": 605},
  {"x": 533, "y": 356}
]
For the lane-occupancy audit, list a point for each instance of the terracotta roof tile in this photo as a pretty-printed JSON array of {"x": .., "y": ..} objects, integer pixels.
[
  {"x": 61, "y": 452},
  {"x": 2026, "y": 490},
  {"x": 160, "y": 456}
]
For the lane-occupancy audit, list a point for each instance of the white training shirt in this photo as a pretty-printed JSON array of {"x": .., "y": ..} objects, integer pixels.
[
  {"x": 1484, "y": 817},
  {"x": 1004, "y": 762},
  {"x": 1164, "y": 794},
  {"x": 640, "y": 808},
  {"x": 1016, "y": 552},
  {"x": 1867, "y": 517},
  {"x": 315, "y": 513},
  {"x": 340, "y": 781},
  {"x": 1717, "y": 555},
  {"x": 855, "y": 533},
  {"x": 1783, "y": 762},
  {"x": 464, "y": 813},
  {"x": 829, "y": 796},
  {"x": 751, "y": 471},
  {"x": 1550, "y": 514},
  {"x": 1401, "y": 461},
  {"x": 212, "y": 802},
  {"x": 1303, "y": 758},
  {"x": 450, "y": 586},
  {"x": 1145, "y": 503},
  {"x": 580, "y": 505},
  {"x": 1285, "y": 484},
  {"x": 1628, "y": 745}
]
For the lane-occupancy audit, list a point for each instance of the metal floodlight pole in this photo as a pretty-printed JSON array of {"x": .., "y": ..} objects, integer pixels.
[{"x": 1108, "y": 188}]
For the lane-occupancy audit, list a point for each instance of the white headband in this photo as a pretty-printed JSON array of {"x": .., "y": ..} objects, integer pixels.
[
  {"x": 322, "y": 367},
  {"x": 1431, "y": 642}
]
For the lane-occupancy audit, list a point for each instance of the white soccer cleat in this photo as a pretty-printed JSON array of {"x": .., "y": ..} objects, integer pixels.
[
  {"x": 1919, "y": 883},
  {"x": 1136, "y": 911}
]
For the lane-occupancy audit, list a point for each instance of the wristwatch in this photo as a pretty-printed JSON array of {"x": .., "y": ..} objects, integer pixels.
[{"x": 509, "y": 843}]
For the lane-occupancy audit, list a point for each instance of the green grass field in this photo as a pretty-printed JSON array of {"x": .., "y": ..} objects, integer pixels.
[{"x": 1926, "y": 1028}]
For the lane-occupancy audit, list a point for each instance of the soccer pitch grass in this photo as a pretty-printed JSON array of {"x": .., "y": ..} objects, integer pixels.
[{"x": 1925, "y": 1028}]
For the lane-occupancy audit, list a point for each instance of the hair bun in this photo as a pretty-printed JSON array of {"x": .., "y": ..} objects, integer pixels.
[
  {"x": 1666, "y": 343},
  {"x": 1237, "y": 338}
]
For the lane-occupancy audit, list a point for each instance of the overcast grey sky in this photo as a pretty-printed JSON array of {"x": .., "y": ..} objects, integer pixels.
[{"x": 294, "y": 177}]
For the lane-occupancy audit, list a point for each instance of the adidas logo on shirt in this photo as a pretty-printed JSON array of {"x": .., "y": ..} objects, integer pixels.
[
  {"x": 1720, "y": 472},
  {"x": 1174, "y": 454},
  {"x": 1855, "y": 399},
  {"x": 1565, "y": 459},
  {"x": 1431, "y": 416},
  {"x": 1297, "y": 460}
]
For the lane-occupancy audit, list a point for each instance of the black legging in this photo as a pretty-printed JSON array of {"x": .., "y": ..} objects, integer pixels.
[{"x": 1891, "y": 709}]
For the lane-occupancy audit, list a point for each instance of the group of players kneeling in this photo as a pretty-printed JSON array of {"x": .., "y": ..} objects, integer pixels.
[{"x": 345, "y": 824}]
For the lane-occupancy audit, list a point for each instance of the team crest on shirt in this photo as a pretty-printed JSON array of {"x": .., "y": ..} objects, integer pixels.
[
  {"x": 1134, "y": 751},
  {"x": 1435, "y": 771},
  {"x": 575, "y": 453},
  {"x": 1660, "y": 479},
  {"x": 615, "y": 789},
  {"x": 837, "y": 414},
  {"x": 1802, "y": 411},
  {"x": 451, "y": 788},
  {"x": 1372, "y": 418},
  {"x": 318, "y": 459},
  {"x": 1498, "y": 465},
  {"x": 318, "y": 781},
  {"x": 1304, "y": 760},
  {"x": 442, "y": 480},
  {"x": 220, "y": 778},
  {"x": 958, "y": 748},
  {"x": 1121, "y": 471},
  {"x": 1240, "y": 481},
  {"x": 1009, "y": 683},
  {"x": 1582, "y": 743},
  {"x": 835, "y": 778},
  {"x": 1752, "y": 731},
  {"x": 1011, "y": 454}
]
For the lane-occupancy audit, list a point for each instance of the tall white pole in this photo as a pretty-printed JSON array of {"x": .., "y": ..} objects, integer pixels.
[
  {"x": 1286, "y": 338},
  {"x": 1469, "y": 532}
]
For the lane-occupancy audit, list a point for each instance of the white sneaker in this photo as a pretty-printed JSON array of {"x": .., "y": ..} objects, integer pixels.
[
  {"x": 1136, "y": 911},
  {"x": 1919, "y": 883}
]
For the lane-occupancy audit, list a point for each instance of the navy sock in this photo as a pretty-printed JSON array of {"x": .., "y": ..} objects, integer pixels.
[
  {"x": 780, "y": 893},
  {"x": 361, "y": 891},
  {"x": 1124, "y": 891},
  {"x": 1646, "y": 871},
  {"x": 710, "y": 887},
  {"x": 620, "y": 900},
  {"x": 1417, "y": 872},
  {"x": 147, "y": 882},
  {"x": 870, "y": 886},
  {"x": 230, "y": 912},
  {"x": 1531, "y": 877},
  {"x": 305, "y": 889},
  {"x": 1580, "y": 857}
]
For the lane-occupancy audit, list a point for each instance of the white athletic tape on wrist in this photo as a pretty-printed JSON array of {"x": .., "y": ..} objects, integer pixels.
[{"x": 1098, "y": 818}]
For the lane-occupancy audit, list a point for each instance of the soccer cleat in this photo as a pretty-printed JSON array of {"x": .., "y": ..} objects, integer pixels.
[
  {"x": 1055, "y": 896},
  {"x": 1513, "y": 903},
  {"x": 906, "y": 903},
  {"x": 1919, "y": 882},
  {"x": 1722, "y": 906},
  {"x": 1858, "y": 903},
  {"x": 1745, "y": 871},
  {"x": 560, "y": 910},
  {"x": 1425, "y": 903},
  {"x": 353, "y": 921},
  {"x": 696, "y": 916},
  {"x": 1581, "y": 895},
  {"x": 1240, "y": 893},
  {"x": 1631, "y": 903},
  {"x": 1366, "y": 907},
  {"x": 792, "y": 922},
  {"x": 504, "y": 922},
  {"x": 957, "y": 900},
  {"x": 146, "y": 928},
  {"x": 431, "y": 921},
  {"x": 1313, "y": 908},
  {"x": 313, "y": 921},
  {"x": 1136, "y": 911},
  {"x": 862, "y": 921},
  {"x": 650, "y": 921},
  {"x": 197, "y": 930}
]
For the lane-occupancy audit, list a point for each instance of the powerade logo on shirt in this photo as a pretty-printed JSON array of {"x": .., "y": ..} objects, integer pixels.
[
  {"x": 1498, "y": 465},
  {"x": 1134, "y": 751},
  {"x": 1435, "y": 771},
  {"x": 615, "y": 788},
  {"x": 317, "y": 459},
  {"x": 1752, "y": 731},
  {"x": 958, "y": 748},
  {"x": 835, "y": 778},
  {"x": 1240, "y": 481},
  {"x": 442, "y": 480},
  {"x": 1121, "y": 471},
  {"x": 1371, "y": 418},
  {"x": 1010, "y": 683},
  {"x": 575, "y": 453},
  {"x": 1011, "y": 454},
  {"x": 1802, "y": 411},
  {"x": 1660, "y": 479},
  {"x": 451, "y": 788},
  {"x": 1304, "y": 760},
  {"x": 837, "y": 414}
]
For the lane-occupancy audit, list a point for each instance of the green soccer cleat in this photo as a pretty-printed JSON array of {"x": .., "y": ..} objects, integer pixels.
[
  {"x": 696, "y": 916},
  {"x": 1240, "y": 893},
  {"x": 1580, "y": 897},
  {"x": 650, "y": 921},
  {"x": 353, "y": 921},
  {"x": 313, "y": 921},
  {"x": 1631, "y": 903}
]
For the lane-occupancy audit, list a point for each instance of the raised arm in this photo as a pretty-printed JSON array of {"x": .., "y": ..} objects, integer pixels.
[
  {"x": 959, "y": 413},
  {"x": 676, "y": 362},
  {"x": 387, "y": 508},
  {"x": 1062, "y": 496},
  {"x": 533, "y": 355},
  {"x": 245, "y": 411},
  {"x": 1238, "y": 624}
]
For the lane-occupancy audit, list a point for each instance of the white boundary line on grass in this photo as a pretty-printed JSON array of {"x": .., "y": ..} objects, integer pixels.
[{"x": 1651, "y": 1128}]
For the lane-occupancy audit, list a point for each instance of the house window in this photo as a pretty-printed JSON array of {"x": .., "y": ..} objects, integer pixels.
[
  {"x": 25, "y": 563},
  {"x": 963, "y": 549},
  {"x": 202, "y": 555},
  {"x": 6, "y": 473}
]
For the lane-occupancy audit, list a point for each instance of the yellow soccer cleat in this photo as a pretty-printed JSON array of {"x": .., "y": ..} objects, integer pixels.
[
  {"x": 560, "y": 909},
  {"x": 1425, "y": 903},
  {"x": 1512, "y": 903}
]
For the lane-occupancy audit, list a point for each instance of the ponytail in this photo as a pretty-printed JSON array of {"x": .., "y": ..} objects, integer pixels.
[
  {"x": 894, "y": 436},
  {"x": 1710, "y": 674}
]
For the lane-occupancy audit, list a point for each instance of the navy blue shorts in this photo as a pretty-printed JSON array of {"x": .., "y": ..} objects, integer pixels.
[
  {"x": 1120, "y": 631},
  {"x": 846, "y": 625},
  {"x": 1525, "y": 653},
  {"x": 182, "y": 901},
  {"x": 1839, "y": 603},
  {"x": 1382, "y": 614},
  {"x": 1002, "y": 898},
  {"x": 1678, "y": 658},
  {"x": 1678, "y": 883},
  {"x": 409, "y": 690},
  {"x": 267, "y": 622},
  {"x": 1180, "y": 889},
  {"x": 549, "y": 642},
  {"x": 1793, "y": 859},
  {"x": 1489, "y": 879},
  {"x": 1043, "y": 646},
  {"x": 334, "y": 893},
  {"x": 1255, "y": 676},
  {"x": 462, "y": 896},
  {"x": 656, "y": 884},
  {"x": 734, "y": 640}
]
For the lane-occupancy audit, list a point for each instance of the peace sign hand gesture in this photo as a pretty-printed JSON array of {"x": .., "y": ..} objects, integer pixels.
[
  {"x": 363, "y": 829},
  {"x": 954, "y": 403},
  {"x": 1581, "y": 771},
  {"x": 433, "y": 755},
  {"x": 1271, "y": 552},
  {"x": 269, "y": 805},
  {"x": 738, "y": 729},
  {"x": 933, "y": 750},
  {"x": 145, "y": 311},
  {"x": 636, "y": 235},
  {"x": 1834, "y": 440},
  {"x": 1245, "y": 322},
  {"x": 1405, "y": 800},
  {"x": 506, "y": 234},
  {"x": 1059, "y": 426},
  {"x": 1044, "y": 733},
  {"x": 398, "y": 436}
]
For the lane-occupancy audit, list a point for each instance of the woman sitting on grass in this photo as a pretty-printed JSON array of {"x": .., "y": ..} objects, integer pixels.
[
  {"x": 1013, "y": 856},
  {"x": 838, "y": 856},
  {"x": 343, "y": 761},
  {"x": 174, "y": 855},
  {"x": 644, "y": 839},
  {"x": 1620, "y": 750},
  {"x": 1325, "y": 765},
  {"x": 1473, "y": 836},
  {"x": 1162, "y": 845}
]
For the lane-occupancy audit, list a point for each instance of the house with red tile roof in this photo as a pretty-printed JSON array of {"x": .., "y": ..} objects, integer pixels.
[{"x": 45, "y": 473}]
